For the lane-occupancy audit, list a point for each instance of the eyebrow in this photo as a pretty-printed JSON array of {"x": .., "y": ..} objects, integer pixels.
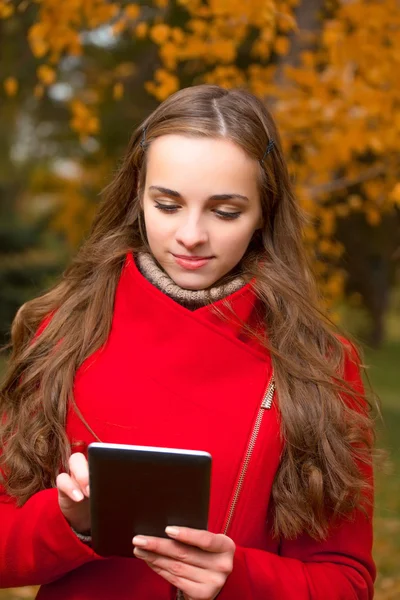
[{"x": 176, "y": 194}]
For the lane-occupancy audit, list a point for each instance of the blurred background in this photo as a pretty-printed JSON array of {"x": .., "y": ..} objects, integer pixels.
[{"x": 77, "y": 76}]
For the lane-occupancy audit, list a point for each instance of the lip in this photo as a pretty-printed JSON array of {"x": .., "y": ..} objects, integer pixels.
[
  {"x": 185, "y": 257},
  {"x": 191, "y": 262}
]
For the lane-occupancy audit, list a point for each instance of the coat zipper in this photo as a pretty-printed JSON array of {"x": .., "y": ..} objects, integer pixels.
[{"x": 265, "y": 405}]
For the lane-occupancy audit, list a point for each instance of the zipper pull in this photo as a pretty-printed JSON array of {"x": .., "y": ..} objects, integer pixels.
[{"x": 269, "y": 396}]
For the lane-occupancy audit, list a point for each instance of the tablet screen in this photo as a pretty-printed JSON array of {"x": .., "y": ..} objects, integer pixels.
[{"x": 141, "y": 490}]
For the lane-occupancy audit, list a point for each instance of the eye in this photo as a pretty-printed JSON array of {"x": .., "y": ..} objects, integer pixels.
[
  {"x": 221, "y": 214},
  {"x": 229, "y": 216},
  {"x": 166, "y": 207}
]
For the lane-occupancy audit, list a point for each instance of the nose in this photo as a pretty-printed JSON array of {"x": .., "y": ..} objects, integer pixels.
[{"x": 191, "y": 233}]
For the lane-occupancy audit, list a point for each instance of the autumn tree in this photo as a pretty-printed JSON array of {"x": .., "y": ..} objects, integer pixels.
[{"x": 327, "y": 68}]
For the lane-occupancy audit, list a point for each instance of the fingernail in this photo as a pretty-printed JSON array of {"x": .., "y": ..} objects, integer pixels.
[
  {"x": 139, "y": 552},
  {"x": 87, "y": 491},
  {"x": 139, "y": 540},
  {"x": 77, "y": 495},
  {"x": 172, "y": 531}
]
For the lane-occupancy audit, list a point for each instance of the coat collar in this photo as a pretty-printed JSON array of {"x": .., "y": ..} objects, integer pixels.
[{"x": 240, "y": 308}]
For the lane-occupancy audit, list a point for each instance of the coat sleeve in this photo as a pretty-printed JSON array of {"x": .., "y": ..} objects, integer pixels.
[
  {"x": 338, "y": 568},
  {"x": 37, "y": 544},
  {"x": 341, "y": 568}
]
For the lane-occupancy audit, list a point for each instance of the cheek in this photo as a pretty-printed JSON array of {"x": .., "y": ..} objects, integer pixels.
[
  {"x": 235, "y": 239},
  {"x": 157, "y": 227}
]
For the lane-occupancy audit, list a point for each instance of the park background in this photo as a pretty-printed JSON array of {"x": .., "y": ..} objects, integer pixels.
[{"x": 76, "y": 77}]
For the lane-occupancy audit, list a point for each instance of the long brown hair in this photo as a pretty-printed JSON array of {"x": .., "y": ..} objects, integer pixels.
[{"x": 328, "y": 437}]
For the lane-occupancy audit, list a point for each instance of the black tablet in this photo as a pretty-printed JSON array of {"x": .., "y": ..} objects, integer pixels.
[{"x": 141, "y": 489}]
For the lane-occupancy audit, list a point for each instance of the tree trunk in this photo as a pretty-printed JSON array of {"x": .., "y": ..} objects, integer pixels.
[{"x": 307, "y": 15}]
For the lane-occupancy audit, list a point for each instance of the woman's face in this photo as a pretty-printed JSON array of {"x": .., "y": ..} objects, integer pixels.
[{"x": 201, "y": 207}]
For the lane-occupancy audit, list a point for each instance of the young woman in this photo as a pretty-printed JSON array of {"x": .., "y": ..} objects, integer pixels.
[{"x": 189, "y": 319}]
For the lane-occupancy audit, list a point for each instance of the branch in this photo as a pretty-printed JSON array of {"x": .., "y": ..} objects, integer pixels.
[{"x": 341, "y": 184}]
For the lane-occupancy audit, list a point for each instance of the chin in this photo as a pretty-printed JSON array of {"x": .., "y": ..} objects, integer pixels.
[
  {"x": 193, "y": 282},
  {"x": 191, "y": 285}
]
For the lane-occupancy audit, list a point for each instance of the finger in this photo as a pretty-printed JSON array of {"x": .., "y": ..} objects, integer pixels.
[
  {"x": 178, "y": 551},
  {"x": 79, "y": 470},
  {"x": 172, "y": 579},
  {"x": 205, "y": 540},
  {"x": 190, "y": 588},
  {"x": 175, "y": 550},
  {"x": 69, "y": 488},
  {"x": 175, "y": 567}
]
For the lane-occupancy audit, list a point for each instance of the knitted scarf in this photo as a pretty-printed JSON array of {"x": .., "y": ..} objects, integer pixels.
[{"x": 191, "y": 299}]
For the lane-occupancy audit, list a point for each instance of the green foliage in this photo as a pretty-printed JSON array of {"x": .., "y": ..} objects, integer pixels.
[
  {"x": 385, "y": 378},
  {"x": 26, "y": 268}
]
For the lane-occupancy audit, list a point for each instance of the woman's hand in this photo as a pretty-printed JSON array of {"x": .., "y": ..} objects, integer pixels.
[
  {"x": 197, "y": 562},
  {"x": 73, "y": 493}
]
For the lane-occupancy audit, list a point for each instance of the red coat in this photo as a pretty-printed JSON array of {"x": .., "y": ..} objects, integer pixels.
[{"x": 172, "y": 377}]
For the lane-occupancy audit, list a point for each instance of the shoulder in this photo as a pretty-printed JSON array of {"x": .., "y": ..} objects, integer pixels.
[
  {"x": 351, "y": 374},
  {"x": 41, "y": 327},
  {"x": 43, "y": 324},
  {"x": 352, "y": 363}
]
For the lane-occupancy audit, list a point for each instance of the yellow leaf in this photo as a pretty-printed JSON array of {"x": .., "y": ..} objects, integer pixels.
[
  {"x": 308, "y": 58},
  {"x": 373, "y": 216},
  {"x": 37, "y": 39},
  {"x": 78, "y": 108},
  {"x": 118, "y": 91},
  {"x": 160, "y": 33},
  {"x": 39, "y": 48},
  {"x": 225, "y": 50},
  {"x": 354, "y": 201},
  {"x": 281, "y": 45},
  {"x": 177, "y": 35},
  {"x": 141, "y": 30},
  {"x": 376, "y": 144},
  {"x": 46, "y": 74},
  {"x": 334, "y": 285},
  {"x": 395, "y": 194},
  {"x": 119, "y": 27},
  {"x": 261, "y": 49},
  {"x": 286, "y": 22},
  {"x": 10, "y": 86},
  {"x": 325, "y": 246},
  {"x": 93, "y": 125},
  {"x": 169, "y": 54},
  {"x": 132, "y": 11},
  {"x": 198, "y": 26},
  {"x": 333, "y": 33},
  {"x": 6, "y": 11},
  {"x": 166, "y": 84}
]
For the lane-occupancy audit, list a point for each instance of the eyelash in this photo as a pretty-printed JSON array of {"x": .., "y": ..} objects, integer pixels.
[{"x": 220, "y": 213}]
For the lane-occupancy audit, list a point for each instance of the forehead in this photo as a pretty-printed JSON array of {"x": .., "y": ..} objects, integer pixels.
[{"x": 193, "y": 164}]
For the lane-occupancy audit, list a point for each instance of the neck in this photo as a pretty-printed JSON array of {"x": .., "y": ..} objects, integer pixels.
[{"x": 191, "y": 299}]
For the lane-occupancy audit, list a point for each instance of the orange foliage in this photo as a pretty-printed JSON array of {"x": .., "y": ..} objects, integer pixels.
[{"x": 338, "y": 109}]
